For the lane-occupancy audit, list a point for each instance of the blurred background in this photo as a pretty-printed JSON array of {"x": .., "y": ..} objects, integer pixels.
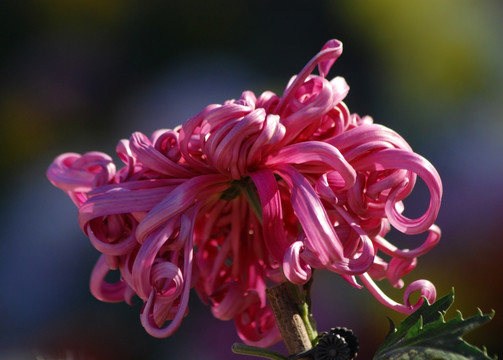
[{"x": 80, "y": 75}]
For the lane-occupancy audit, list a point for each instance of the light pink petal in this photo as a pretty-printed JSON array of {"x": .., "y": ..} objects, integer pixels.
[
  {"x": 227, "y": 146},
  {"x": 314, "y": 153},
  {"x": 374, "y": 134},
  {"x": 296, "y": 270},
  {"x": 271, "y": 134},
  {"x": 124, "y": 152},
  {"x": 325, "y": 58},
  {"x": 312, "y": 108},
  {"x": 332, "y": 47}
]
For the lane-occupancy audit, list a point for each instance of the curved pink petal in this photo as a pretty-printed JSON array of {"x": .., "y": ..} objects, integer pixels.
[
  {"x": 151, "y": 158},
  {"x": 120, "y": 242},
  {"x": 179, "y": 199},
  {"x": 103, "y": 290},
  {"x": 312, "y": 108},
  {"x": 313, "y": 153},
  {"x": 326, "y": 57},
  {"x": 122, "y": 200},
  {"x": 425, "y": 287},
  {"x": 398, "y": 268},
  {"x": 272, "y": 213},
  {"x": 147, "y": 315},
  {"x": 431, "y": 241},
  {"x": 296, "y": 270},
  {"x": 78, "y": 174},
  {"x": 321, "y": 238},
  {"x": 401, "y": 159}
]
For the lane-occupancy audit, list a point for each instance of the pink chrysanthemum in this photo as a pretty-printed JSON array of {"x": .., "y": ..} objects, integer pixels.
[{"x": 256, "y": 190}]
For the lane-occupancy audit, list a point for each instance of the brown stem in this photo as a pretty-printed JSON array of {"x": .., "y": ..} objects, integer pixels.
[{"x": 288, "y": 319}]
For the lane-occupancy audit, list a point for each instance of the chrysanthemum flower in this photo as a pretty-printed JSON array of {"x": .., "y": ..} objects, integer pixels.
[{"x": 251, "y": 192}]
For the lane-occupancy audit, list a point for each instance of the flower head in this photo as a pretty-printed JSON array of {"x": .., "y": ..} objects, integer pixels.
[{"x": 255, "y": 190}]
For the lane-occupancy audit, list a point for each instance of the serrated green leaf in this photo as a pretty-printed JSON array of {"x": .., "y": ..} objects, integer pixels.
[{"x": 425, "y": 335}]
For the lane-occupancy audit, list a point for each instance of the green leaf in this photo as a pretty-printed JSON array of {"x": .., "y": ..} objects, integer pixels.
[{"x": 425, "y": 335}]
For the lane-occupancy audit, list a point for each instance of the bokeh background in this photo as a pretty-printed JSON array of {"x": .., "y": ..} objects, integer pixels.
[{"x": 80, "y": 75}]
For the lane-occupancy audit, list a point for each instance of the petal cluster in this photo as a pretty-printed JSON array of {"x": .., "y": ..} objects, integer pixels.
[{"x": 251, "y": 192}]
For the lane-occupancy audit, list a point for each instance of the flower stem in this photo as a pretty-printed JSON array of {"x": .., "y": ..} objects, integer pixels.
[
  {"x": 244, "y": 349},
  {"x": 288, "y": 318}
]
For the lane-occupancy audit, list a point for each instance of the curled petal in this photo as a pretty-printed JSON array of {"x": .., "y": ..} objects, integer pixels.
[
  {"x": 364, "y": 134},
  {"x": 326, "y": 58},
  {"x": 230, "y": 144},
  {"x": 78, "y": 174},
  {"x": 430, "y": 242},
  {"x": 426, "y": 288},
  {"x": 167, "y": 279},
  {"x": 313, "y": 106},
  {"x": 398, "y": 268},
  {"x": 151, "y": 158},
  {"x": 271, "y": 134},
  {"x": 110, "y": 242},
  {"x": 331, "y": 51},
  {"x": 124, "y": 152},
  {"x": 294, "y": 267},
  {"x": 402, "y": 159},
  {"x": 147, "y": 316},
  {"x": 103, "y": 290}
]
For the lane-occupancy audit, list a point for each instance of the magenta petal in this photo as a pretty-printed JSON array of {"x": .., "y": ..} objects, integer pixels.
[
  {"x": 296, "y": 270},
  {"x": 389, "y": 159},
  {"x": 103, "y": 290},
  {"x": 123, "y": 200},
  {"x": 430, "y": 242},
  {"x": 321, "y": 238},
  {"x": 313, "y": 153},
  {"x": 331, "y": 50},
  {"x": 325, "y": 58},
  {"x": 147, "y": 314},
  {"x": 272, "y": 214},
  {"x": 151, "y": 158},
  {"x": 178, "y": 200},
  {"x": 257, "y": 326},
  {"x": 78, "y": 174},
  {"x": 426, "y": 288}
]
